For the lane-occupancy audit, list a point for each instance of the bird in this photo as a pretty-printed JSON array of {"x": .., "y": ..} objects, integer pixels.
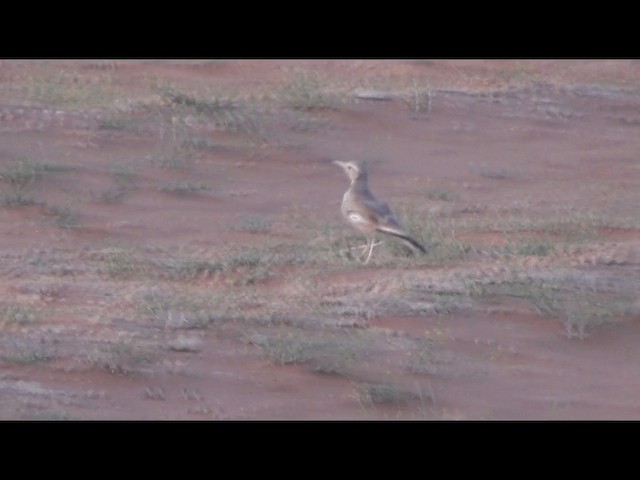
[{"x": 368, "y": 214}]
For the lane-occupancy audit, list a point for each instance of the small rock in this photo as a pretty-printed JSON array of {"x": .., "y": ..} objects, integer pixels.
[
  {"x": 378, "y": 95},
  {"x": 185, "y": 344}
]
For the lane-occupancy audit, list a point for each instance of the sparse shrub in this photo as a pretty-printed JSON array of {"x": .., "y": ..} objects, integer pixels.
[
  {"x": 114, "y": 123},
  {"x": 184, "y": 312},
  {"x": 255, "y": 224},
  {"x": 18, "y": 198},
  {"x": 538, "y": 247},
  {"x": 443, "y": 195},
  {"x": 324, "y": 354},
  {"x": 370, "y": 394},
  {"x": 124, "y": 177},
  {"x": 438, "y": 240},
  {"x": 64, "y": 216},
  {"x": 181, "y": 187},
  {"x": 490, "y": 172},
  {"x": 579, "y": 310},
  {"x": 20, "y": 176},
  {"x": 305, "y": 92},
  {"x": 120, "y": 263},
  {"x": 251, "y": 265},
  {"x": 178, "y": 159},
  {"x": 123, "y": 174},
  {"x": 226, "y": 113},
  {"x": 420, "y": 100},
  {"x": 52, "y": 416},
  {"x": 211, "y": 105},
  {"x": 200, "y": 144},
  {"x": 290, "y": 349},
  {"x": 24, "y": 172},
  {"x": 113, "y": 195},
  {"x": 16, "y": 314},
  {"x": 584, "y": 312},
  {"x": 195, "y": 268},
  {"x": 121, "y": 358},
  {"x": 59, "y": 86},
  {"x": 543, "y": 296},
  {"x": 30, "y": 357},
  {"x": 422, "y": 358}
]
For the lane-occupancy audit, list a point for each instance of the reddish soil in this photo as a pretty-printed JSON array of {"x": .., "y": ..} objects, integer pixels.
[{"x": 491, "y": 142}]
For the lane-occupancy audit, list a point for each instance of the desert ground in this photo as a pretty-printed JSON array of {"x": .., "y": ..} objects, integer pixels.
[{"x": 172, "y": 248}]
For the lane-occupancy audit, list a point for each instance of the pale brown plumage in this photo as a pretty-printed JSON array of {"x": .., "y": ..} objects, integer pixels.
[{"x": 368, "y": 214}]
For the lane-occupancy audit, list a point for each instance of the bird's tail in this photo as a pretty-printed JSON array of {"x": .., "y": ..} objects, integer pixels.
[{"x": 403, "y": 236}]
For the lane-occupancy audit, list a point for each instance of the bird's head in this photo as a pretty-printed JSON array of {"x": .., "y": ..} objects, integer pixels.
[{"x": 353, "y": 169}]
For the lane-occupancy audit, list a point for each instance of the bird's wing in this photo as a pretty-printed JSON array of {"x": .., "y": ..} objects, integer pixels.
[{"x": 379, "y": 213}]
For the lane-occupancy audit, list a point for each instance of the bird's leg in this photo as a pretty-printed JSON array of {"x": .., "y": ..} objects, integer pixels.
[
  {"x": 362, "y": 247},
  {"x": 370, "y": 244},
  {"x": 366, "y": 245}
]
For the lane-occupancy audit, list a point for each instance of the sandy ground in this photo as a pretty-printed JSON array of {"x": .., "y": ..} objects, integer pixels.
[{"x": 171, "y": 245}]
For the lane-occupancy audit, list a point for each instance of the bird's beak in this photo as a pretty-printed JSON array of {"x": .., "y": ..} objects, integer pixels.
[{"x": 339, "y": 163}]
